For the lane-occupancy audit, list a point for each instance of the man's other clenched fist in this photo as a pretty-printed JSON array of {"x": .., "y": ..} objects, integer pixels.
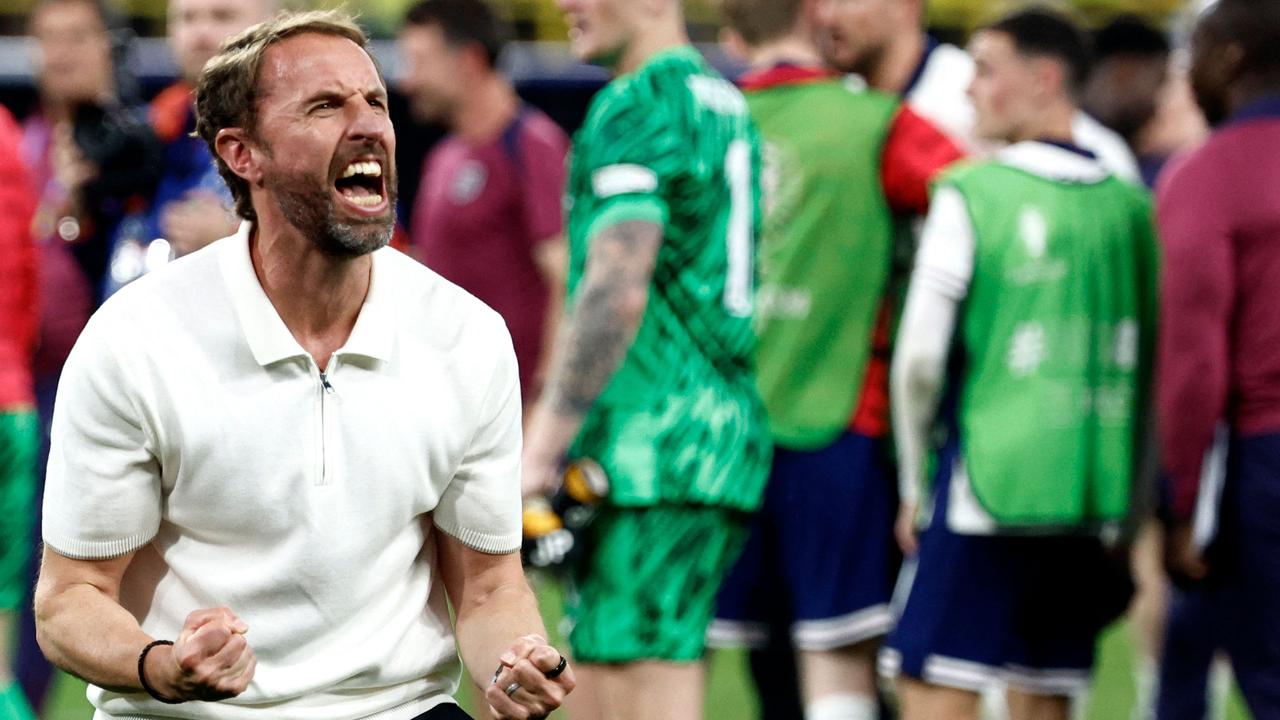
[{"x": 210, "y": 660}]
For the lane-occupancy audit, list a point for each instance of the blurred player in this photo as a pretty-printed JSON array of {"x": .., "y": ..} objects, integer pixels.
[
  {"x": 1129, "y": 69},
  {"x": 19, "y": 426},
  {"x": 488, "y": 214},
  {"x": 1219, "y": 384},
  {"x": 72, "y": 60},
  {"x": 842, "y": 161},
  {"x": 652, "y": 375},
  {"x": 1035, "y": 283},
  {"x": 883, "y": 41},
  {"x": 1137, "y": 89},
  {"x": 191, "y": 206}
]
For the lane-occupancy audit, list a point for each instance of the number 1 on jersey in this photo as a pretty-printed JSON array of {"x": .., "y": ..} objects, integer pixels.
[{"x": 738, "y": 284}]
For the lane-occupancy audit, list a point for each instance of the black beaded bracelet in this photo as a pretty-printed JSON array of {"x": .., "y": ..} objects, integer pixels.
[{"x": 142, "y": 675}]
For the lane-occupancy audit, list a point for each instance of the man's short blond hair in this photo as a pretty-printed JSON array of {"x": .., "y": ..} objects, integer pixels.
[
  {"x": 227, "y": 93},
  {"x": 760, "y": 21}
]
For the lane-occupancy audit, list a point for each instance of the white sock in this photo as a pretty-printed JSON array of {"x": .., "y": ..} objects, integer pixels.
[
  {"x": 1146, "y": 682},
  {"x": 1220, "y": 680},
  {"x": 843, "y": 707}
]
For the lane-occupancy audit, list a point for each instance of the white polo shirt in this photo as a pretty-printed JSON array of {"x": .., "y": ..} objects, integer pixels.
[{"x": 191, "y": 426}]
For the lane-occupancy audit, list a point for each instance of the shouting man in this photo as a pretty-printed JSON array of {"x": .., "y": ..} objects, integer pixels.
[{"x": 275, "y": 460}]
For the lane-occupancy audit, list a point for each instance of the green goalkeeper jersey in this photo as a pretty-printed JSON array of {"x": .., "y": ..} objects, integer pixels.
[{"x": 680, "y": 421}]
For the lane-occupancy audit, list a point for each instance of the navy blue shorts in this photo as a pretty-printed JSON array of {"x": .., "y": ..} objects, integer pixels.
[
  {"x": 1022, "y": 610},
  {"x": 821, "y": 553},
  {"x": 1242, "y": 593}
]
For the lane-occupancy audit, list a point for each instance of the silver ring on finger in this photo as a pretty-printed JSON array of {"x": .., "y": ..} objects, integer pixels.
[{"x": 511, "y": 689}]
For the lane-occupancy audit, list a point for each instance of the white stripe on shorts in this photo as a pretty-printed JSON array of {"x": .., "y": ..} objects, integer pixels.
[
  {"x": 842, "y": 631},
  {"x": 736, "y": 634},
  {"x": 961, "y": 674},
  {"x": 1047, "y": 681}
]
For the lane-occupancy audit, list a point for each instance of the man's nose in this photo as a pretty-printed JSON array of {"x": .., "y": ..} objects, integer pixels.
[{"x": 368, "y": 123}]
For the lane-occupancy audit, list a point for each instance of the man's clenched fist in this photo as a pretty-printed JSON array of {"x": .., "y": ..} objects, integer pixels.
[
  {"x": 210, "y": 660},
  {"x": 532, "y": 680}
]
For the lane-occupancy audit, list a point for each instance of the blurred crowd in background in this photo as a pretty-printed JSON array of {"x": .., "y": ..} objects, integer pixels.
[{"x": 540, "y": 20}]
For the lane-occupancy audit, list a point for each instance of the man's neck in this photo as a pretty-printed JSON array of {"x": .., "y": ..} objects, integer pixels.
[
  {"x": 1054, "y": 125},
  {"x": 902, "y": 56},
  {"x": 486, "y": 110},
  {"x": 55, "y": 112},
  {"x": 650, "y": 43},
  {"x": 791, "y": 49},
  {"x": 318, "y": 296}
]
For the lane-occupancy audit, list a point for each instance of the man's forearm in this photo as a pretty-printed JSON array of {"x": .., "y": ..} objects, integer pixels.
[
  {"x": 917, "y": 377},
  {"x": 87, "y": 633},
  {"x": 550, "y": 330},
  {"x": 487, "y": 628},
  {"x": 595, "y": 339}
]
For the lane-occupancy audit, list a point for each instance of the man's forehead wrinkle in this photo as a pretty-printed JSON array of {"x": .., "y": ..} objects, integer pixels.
[
  {"x": 293, "y": 72},
  {"x": 272, "y": 73}
]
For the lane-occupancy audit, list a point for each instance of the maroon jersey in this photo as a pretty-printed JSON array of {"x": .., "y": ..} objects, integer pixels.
[{"x": 481, "y": 212}]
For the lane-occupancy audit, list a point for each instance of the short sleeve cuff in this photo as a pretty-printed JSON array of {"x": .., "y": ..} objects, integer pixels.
[
  {"x": 487, "y": 543},
  {"x": 94, "y": 549},
  {"x": 629, "y": 208}
]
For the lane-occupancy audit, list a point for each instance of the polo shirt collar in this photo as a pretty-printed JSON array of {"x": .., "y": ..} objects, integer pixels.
[
  {"x": 374, "y": 333},
  {"x": 1054, "y": 161},
  {"x": 782, "y": 74},
  {"x": 269, "y": 338}
]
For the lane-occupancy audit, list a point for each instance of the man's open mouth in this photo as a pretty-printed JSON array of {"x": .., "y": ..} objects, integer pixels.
[{"x": 362, "y": 184}]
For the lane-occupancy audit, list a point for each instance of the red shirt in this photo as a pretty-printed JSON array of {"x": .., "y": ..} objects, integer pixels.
[
  {"x": 1218, "y": 212},
  {"x": 18, "y": 309},
  {"x": 481, "y": 212}
]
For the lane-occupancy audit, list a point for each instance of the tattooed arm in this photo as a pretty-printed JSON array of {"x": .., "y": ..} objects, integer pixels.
[{"x": 592, "y": 343}]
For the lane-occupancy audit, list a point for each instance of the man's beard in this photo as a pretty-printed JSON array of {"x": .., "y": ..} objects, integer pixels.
[
  {"x": 863, "y": 62},
  {"x": 309, "y": 207}
]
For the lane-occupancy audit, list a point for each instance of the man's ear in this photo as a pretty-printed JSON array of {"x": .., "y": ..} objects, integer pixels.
[
  {"x": 239, "y": 154},
  {"x": 474, "y": 59},
  {"x": 1052, "y": 77},
  {"x": 1232, "y": 58},
  {"x": 732, "y": 43}
]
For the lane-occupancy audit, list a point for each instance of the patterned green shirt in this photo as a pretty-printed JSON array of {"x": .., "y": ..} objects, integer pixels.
[{"x": 680, "y": 422}]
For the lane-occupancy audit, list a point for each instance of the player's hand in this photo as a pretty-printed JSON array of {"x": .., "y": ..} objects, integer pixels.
[
  {"x": 904, "y": 529},
  {"x": 1182, "y": 560},
  {"x": 210, "y": 660},
  {"x": 532, "y": 680},
  {"x": 195, "y": 221},
  {"x": 70, "y": 168},
  {"x": 538, "y": 476}
]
